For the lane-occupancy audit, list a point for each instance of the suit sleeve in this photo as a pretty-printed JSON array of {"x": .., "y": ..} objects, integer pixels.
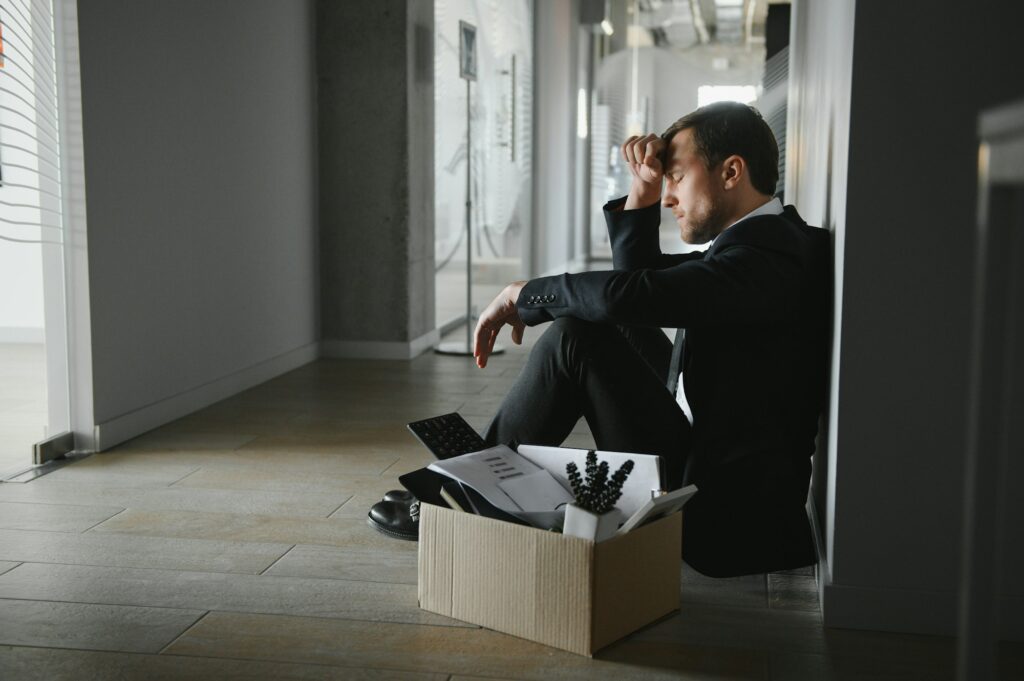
[
  {"x": 634, "y": 238},
  {"x": 740, "y": 284}
]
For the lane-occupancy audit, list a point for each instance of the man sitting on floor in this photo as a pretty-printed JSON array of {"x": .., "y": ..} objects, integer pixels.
[{"x": 746, "y": 376}]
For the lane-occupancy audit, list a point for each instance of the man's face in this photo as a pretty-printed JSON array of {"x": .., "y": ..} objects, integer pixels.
[{"x": 693, "y": 193}]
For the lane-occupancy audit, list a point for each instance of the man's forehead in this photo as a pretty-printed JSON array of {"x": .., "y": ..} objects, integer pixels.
[{"x": 680, "y": 150}]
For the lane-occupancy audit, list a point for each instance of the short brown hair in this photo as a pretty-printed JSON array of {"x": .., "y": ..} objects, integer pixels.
[{"x": 726, "y": 128}]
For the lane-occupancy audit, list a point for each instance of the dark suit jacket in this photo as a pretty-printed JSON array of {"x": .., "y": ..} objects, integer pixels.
[{"x": 755, "y": 307}]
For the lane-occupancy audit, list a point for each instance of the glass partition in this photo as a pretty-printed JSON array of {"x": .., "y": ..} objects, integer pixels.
[
  {"x": 500, "y": 118},
  {"x": 655, "y": 62}
]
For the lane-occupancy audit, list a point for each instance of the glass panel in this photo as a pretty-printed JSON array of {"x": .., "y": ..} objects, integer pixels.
[
  {"x": 501, "y": 115},
  {"x": 31, "y": 243},
  {"x": 652, "y": 62}
]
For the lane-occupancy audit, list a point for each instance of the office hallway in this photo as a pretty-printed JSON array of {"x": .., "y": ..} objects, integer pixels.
[{"x": 233, "y": 544}]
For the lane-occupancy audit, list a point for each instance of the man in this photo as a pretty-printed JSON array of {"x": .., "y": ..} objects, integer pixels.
[{"x": 746, "y": 376}]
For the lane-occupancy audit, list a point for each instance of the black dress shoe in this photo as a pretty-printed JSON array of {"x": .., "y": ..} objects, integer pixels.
[
  {"x": 401, "y": 495},
  {"x": 395, "y": 519}
]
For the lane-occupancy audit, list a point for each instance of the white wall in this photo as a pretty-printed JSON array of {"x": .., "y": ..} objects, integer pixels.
[
  {"x": 883, "y": 151},
  {"x": 821, "y": 61},
  {"x": 199, "y": 133},
  {"x": 555, "y": 25}
]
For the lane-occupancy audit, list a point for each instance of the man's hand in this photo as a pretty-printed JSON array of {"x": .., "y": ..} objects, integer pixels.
[
  {"x": 500, "y": 312},
  {"x": 643, "y": 157}
]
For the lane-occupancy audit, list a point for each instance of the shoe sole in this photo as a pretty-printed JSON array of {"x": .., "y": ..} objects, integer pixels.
[{"x": 391, "y": 533}]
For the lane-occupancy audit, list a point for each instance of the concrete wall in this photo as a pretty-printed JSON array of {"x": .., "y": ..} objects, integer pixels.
[
  {"x": 199, "y": 160},
  {"x": 903, "y": 221},
  {"x": 376, "y": 169}
]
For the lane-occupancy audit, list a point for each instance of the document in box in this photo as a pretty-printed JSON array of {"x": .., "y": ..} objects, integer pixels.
[
  {"x": 484, "y": 470},
  {"x": 538, "y": 491}
]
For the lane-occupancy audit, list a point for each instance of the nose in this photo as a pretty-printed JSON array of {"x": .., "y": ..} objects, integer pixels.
[{"x": 667, "y": 200}]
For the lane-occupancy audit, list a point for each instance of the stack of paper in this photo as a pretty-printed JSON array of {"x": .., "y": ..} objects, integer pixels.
[{"x": 533, "y": 485}]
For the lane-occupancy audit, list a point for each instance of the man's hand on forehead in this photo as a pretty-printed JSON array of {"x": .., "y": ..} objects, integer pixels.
[{"x": 644, "y": 157}]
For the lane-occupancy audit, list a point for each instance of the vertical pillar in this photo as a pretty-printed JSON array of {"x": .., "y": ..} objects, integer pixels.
[{"x": 376, "y": 177}]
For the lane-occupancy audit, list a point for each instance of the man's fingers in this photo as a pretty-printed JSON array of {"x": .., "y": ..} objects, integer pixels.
[
  {"x": 481, "y": 351},
  {"x": 652, "y": 150},
  {"x": 627, "y": 149},
  {"x": 517, "y": 333},
  {"x": 480, "y": 343}
]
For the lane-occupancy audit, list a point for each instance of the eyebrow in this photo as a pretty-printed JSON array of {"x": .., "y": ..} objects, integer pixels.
[{"x": 674, "y": 169}]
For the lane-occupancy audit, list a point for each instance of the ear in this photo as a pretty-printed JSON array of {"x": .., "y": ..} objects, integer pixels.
[{"x": 734, "y": 168}]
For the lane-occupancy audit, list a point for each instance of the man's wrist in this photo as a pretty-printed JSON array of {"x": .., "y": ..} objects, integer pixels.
[
  {"x": 515, "y": 289},
  {"x": 642, "y": 195}
]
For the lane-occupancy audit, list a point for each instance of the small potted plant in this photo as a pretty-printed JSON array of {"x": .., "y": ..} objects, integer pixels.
[{"x": 591, "y": 515}]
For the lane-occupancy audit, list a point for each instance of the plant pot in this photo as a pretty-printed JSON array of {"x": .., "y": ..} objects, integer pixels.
[{"x": 586, "y": 525}]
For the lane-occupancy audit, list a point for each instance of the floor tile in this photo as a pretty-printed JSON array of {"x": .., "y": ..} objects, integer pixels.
[
  {"x": 395, "y": 563},
  {"x": 51, "y": 664},
  {"x": 347, "y": 532},
  {"x": 376, "y": 447},
  {"x": 720, "y": 626},
  {"x": 793, "y": 592},
  {"x": 358, "y": 505},
  {"x": 167, "y": 439},
  {"x": 853, "y": 651},
  {"x": 128, "y": 472},
  {"x": 864, "y": 667},
  {"x": 748, "y": 591},
  {"x": 175, "y": 498},
  {"x": 97, "y": 627},
  {"x": 372, "y": 413},
  {"x": 333, "y": 461},
  {"x": 473, "y": 652},
  {"x": 113, "y": 550},
  {"x": 298, "y": 482},
  {"x": 327, "y": 598},
  {"x": 52, "y": 517},
  {"x": 801, "y": 667}
]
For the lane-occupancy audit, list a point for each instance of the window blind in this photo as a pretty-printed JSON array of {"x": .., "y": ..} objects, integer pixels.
[{"x": 30, "y": 190}]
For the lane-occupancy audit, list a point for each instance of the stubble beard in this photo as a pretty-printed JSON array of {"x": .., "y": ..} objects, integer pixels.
[{"x": 704, "y": 223}]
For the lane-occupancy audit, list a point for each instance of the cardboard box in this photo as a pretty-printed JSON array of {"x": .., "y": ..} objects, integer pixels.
[{"x": 562, "y": 591}]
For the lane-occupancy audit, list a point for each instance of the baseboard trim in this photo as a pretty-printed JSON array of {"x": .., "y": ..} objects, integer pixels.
[
  {"x": 897, "y": 610},
  {"x": 22, "y": 334},
  {"x": 345, "y": 349},
  {"x": 135, "y": 423}
]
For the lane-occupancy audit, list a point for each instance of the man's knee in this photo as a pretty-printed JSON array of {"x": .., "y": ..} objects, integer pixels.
[
  {"x": 565, "y": 336},
  {"x": 572, "y": 330}
]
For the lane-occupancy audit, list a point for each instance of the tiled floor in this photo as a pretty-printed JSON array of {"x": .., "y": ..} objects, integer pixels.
[{"x": 232, "y": 544}]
